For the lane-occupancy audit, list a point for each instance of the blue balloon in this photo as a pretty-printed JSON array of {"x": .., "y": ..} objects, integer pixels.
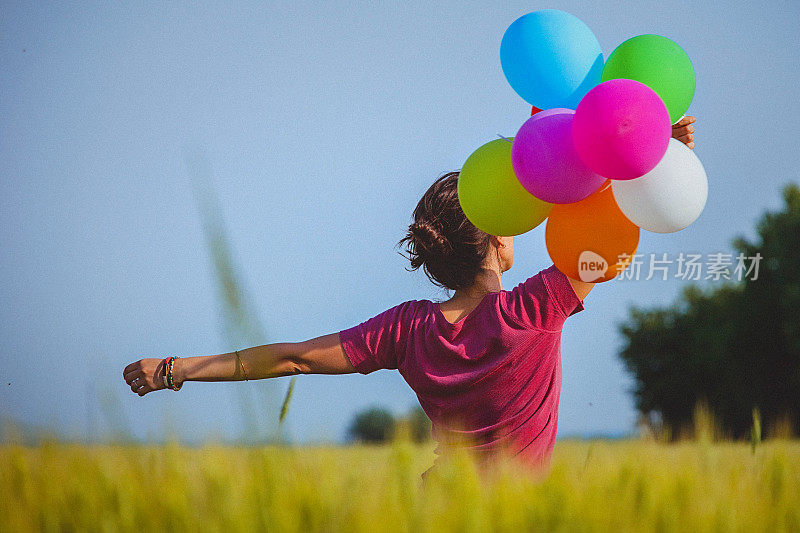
[{"x": 551, "y": 58}]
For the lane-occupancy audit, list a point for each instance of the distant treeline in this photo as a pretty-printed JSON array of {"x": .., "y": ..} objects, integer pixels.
[
  {"x": 376, "y": 425},
  {"x": 734, "y": 347}
]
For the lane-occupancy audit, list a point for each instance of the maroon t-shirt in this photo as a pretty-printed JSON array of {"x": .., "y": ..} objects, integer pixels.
[{"x": 490, "y": 381}]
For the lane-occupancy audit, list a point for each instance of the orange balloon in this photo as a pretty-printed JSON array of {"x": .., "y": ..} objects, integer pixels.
[
  {"x": 534, "y": 110},
  {"x": 585, "y": 239}
]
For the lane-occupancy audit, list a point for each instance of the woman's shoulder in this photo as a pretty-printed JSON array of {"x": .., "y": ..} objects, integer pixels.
[
  {"x": 544, "y": 300},
  {"x": 410, "y": 310}
]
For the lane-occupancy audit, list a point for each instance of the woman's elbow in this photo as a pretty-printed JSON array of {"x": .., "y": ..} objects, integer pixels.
[
  {"x": 297, "y": 365},
  {"x": 290, "y": 359}
]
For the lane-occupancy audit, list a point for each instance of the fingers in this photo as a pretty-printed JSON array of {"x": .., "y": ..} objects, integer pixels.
[
  {"x": 136, "y": 377},
  {"x": 144, "y": 376},
  {"x": 685, "y": 139},
  {"x": 141, "y": 386},
  {"x": 684, "y": 131},
  {"x": 133, "y": 366},
  {"x": 130, "y": 376},
  {"x": 137, "y": 382}
]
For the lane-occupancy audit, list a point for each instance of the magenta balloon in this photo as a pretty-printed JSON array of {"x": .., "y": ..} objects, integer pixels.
[
  {"x": 545, "y": 161},
  {"x": 621, "y": 129}
]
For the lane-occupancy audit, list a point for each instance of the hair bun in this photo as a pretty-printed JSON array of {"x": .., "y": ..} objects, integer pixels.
[
  {"x": 428, "y": 239},
  {"x": 441, "y": 241}
]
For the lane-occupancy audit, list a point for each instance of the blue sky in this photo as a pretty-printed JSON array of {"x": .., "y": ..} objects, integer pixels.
[{"x": 322, "y": 125}]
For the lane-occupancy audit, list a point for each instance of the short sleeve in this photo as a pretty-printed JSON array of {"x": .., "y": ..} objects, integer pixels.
[
  {"x": 544, "y": 301},
  {"x": 379, "y": 342}
]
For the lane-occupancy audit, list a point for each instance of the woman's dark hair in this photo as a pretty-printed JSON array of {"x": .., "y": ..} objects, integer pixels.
[{"x": 442, "y": 241}]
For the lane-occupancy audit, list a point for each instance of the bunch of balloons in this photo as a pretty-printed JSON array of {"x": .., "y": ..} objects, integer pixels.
[{"x": 596, "y": 157}]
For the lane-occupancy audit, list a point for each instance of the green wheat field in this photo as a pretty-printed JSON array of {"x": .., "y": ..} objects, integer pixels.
[{"x": 629, "y": 485}]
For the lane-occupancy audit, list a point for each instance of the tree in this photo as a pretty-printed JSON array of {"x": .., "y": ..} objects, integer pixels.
[
  {"x": 375, "y": 425},
  {"x": 419, "y": 424},
  {"x": 735, "y": 347}
]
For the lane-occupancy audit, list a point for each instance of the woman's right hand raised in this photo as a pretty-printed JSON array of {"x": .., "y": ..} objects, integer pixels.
[{"x": 684, "y": 131}]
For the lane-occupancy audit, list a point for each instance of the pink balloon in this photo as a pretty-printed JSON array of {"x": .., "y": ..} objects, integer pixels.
[
  {"x": 621, "y": 129},
  {"x": 545, "y": 161}
]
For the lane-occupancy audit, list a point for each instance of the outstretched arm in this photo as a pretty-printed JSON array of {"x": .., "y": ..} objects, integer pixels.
[
  {"x": 684, "y": 132},
  {"x": 320, "y": 355}
]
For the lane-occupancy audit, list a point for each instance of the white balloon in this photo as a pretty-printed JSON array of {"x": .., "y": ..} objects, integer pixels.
[{"x": 669, "y": 197}]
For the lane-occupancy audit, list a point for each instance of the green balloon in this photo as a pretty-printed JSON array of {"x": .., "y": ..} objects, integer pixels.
[
  {"x": 660, "y": 64},
  {"x": 491, "y": 195}
]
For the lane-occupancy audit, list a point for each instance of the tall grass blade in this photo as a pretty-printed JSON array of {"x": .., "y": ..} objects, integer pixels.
[
  {"x": 241, "y": 324},
  {"x": 286, "y": 400}
]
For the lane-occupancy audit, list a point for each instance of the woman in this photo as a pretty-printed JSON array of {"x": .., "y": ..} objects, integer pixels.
[{"x": 485, "y": 364}]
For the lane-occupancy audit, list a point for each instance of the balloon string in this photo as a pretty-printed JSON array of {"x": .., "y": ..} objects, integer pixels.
[{"x": 505, "y": 139}]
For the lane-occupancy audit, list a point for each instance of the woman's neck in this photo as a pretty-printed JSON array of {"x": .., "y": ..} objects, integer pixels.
[{"x": 488, "y": 280}]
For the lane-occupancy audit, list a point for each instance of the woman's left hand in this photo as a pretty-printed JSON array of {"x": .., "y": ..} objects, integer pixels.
[
  {"x": 684, "y": 131},
  {"x": 145, "y": 375}
]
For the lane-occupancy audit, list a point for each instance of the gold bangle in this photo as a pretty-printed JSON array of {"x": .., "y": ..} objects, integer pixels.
[{"x": 242, "y": 364}]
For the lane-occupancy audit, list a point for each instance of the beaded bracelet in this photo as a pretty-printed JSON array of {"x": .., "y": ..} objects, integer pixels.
[
  {"x": 170, "y": 361},
  {"x": 170, "y": 376},
  {"x": 164, "y": 372}
]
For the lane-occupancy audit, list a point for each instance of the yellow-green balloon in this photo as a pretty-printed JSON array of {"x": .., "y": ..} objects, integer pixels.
[
  {"x": 491, "y": 195},
  {"x": 660, "y": 64}
]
